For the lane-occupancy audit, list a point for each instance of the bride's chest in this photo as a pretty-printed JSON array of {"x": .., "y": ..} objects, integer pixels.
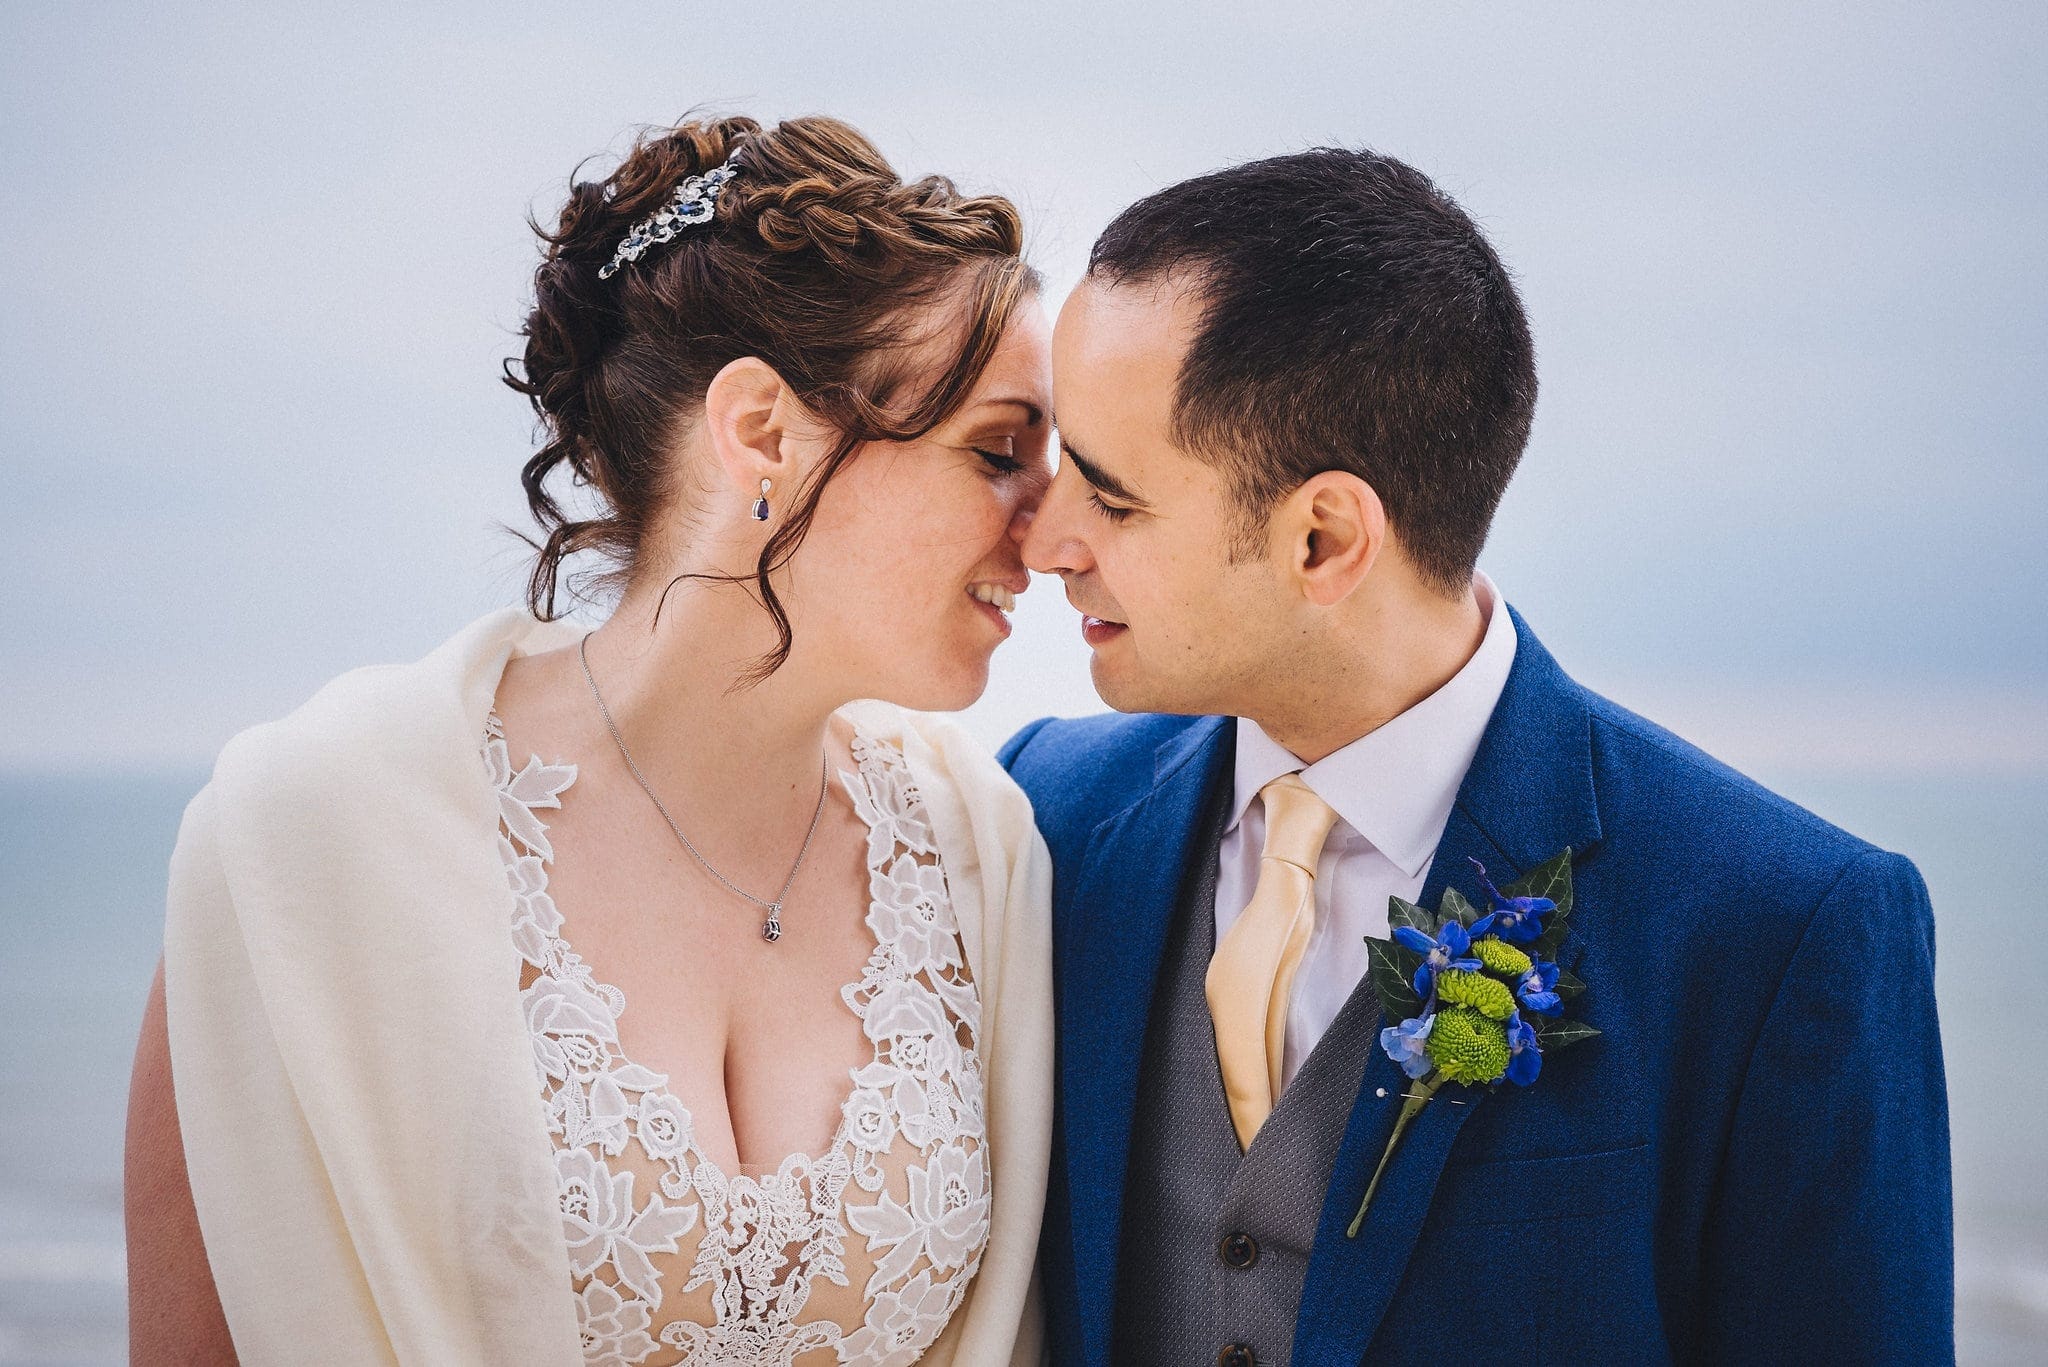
[
  {"x": 755, "y": 1038},
  {"x": 804, "y": 1171}
]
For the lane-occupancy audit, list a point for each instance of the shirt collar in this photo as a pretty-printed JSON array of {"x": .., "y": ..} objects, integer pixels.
[{"x": 1395, "y": 786}]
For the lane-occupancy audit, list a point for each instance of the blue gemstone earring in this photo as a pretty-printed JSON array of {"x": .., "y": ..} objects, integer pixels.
[{"x": 761, "y": 503}]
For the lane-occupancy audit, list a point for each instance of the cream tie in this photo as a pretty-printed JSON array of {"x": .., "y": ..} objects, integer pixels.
[{"x": 1251, "y": 975}]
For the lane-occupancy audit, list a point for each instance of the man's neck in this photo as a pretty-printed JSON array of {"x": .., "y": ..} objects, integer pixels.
[{"x": 1398, "y": 652}]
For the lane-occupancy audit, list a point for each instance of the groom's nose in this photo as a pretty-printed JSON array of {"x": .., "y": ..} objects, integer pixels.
[{"x": 1051, "y": 541}]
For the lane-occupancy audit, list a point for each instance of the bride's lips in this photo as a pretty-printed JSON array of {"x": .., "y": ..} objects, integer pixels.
[
  {"x": 995, "y": 602},
  {"x": 1095, "y": 631}
]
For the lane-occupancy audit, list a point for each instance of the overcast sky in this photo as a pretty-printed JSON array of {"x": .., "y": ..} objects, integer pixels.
[{"x": 1785, "y": 267}]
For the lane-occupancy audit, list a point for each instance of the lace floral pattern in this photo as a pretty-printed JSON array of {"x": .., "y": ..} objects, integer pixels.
[{"x": 906, "y": 1175}]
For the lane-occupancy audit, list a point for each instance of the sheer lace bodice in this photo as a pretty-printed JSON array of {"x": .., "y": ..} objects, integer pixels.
[{"x": 858, "y": 1255}]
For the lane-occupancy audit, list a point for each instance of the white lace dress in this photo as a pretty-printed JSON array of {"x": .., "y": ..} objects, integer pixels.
[{"x": 860, "y": 1255}]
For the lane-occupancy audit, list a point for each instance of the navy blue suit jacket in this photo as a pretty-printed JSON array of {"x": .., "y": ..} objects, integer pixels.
[{"x": 1750, "y": 1164}]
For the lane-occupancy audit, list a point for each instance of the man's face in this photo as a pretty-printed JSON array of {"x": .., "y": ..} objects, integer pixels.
[{"x": 1141, "y": 531}]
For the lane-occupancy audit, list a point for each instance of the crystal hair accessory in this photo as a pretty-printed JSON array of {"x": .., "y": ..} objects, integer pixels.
[{"x": 692, "y": 204}]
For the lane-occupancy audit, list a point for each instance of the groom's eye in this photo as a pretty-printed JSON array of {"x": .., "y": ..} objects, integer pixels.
[{"x": 1108, "y": 510}]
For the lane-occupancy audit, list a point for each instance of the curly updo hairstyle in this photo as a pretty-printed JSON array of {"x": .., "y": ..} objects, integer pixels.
[{"x": 818, "y": 260}]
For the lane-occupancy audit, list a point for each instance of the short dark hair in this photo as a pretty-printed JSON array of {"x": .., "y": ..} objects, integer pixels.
[{"x": 1355, "y": 319}]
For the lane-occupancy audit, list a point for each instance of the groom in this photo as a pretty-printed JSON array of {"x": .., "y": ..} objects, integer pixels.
[{"x": 1290, "y": 396}]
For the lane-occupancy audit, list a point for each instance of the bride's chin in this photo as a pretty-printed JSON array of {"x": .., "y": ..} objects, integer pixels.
[{"x": 946, "y": 684}]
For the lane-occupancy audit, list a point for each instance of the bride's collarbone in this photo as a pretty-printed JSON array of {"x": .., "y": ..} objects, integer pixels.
[
  {"x": 635, "y": 906},
  {"x": 609, "y": 834}
]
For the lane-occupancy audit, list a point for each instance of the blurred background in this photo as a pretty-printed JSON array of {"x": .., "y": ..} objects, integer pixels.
[{"x": 1785, "y": 266}]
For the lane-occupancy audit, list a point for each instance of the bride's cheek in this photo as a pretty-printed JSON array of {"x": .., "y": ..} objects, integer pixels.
[{"x": 999, "y": 508}]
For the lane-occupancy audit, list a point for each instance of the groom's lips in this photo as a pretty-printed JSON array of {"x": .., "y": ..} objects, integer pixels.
[{"x": 1096, "y": 631}]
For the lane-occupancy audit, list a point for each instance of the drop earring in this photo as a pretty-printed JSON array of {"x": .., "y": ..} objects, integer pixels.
[{"x": 761, "y": 503}]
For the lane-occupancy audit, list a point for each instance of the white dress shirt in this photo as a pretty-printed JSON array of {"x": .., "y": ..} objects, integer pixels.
[{"x": 1392, "y": 790}]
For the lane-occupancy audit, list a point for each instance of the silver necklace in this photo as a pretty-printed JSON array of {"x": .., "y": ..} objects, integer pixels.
[{"x": 771, "y": 929}]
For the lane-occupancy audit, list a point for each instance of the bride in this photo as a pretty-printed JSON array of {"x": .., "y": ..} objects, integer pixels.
[{"x": 641, "y": 995}]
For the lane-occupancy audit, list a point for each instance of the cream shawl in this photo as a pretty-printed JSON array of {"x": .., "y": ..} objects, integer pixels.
[{"x": 355, "y": 1081}]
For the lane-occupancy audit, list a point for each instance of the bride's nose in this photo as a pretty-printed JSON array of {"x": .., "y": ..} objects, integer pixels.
[
  {"x": 1020, "y": 524},
  {"x": 1027, "y": 507}
]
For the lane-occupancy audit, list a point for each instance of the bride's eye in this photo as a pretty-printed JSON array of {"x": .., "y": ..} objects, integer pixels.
[{"x": 1002, "y": 462}]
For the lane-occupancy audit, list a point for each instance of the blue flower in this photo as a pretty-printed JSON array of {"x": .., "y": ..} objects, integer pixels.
[
  {"x": 1452, "y": 948},
  {"x": 1538, "y": 989},
  {"x": 1404, "y": 1044},
  {"x": 1518, "y": 920},
  {"x": 1525, "y": 1060}
]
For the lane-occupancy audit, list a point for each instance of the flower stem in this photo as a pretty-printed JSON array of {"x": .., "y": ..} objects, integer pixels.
[{"x": 1415, "y": 1101}]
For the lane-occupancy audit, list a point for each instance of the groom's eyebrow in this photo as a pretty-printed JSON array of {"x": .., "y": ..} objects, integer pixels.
[{"x": 1102, "y": 479}]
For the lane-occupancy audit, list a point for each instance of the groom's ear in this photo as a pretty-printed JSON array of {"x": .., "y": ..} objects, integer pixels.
[{"x": 1335, "y": 527}]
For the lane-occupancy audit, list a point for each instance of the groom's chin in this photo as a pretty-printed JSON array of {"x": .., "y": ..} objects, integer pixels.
[
  {"x": 1119, "y": 690},
  {"x": 1107, "y": 686}
]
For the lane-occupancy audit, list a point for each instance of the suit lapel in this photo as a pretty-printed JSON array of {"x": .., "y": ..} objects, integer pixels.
[
  {"x": 1123, "y": 900},
  {"x": 1528, "y": 794}
]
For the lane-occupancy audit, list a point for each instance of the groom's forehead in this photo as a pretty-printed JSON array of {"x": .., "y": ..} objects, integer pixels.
[
  {"x": 1146, "y": 322},
  {"x": 1117, "y": 352}
]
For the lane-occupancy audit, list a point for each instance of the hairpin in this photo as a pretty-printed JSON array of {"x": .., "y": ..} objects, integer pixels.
[{"x": 691, "y": 205}]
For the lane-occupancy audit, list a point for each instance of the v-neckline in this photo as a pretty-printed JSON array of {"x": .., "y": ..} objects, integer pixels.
[{"x": 747, "y": 1175}]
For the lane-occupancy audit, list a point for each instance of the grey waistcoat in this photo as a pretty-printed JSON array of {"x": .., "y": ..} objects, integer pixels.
[{"x": 1184, "y": 1295}]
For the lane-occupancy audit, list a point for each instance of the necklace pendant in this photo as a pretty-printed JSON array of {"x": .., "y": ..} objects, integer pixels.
[{"x": 771, "y": 929}]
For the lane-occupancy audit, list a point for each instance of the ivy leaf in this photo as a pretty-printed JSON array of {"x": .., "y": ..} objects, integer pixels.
[
  {"x": 1408, "y": 960},
  {"x": 1404, "y": 913},
  {"x": 1553, "y": 1034},
  {"x": 1391, "y": 980},
  {"x": 1550, "y": 941},
  {"x": 1456, "y": 908},
  {"x": 1553, "y": 879},
  {"x": 1568, "y": 986}
]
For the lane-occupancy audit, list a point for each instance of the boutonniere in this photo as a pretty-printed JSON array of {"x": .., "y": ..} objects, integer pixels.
[{"x": 1477, "y": 995}]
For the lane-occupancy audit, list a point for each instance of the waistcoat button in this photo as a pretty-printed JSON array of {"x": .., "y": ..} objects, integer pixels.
[
  {"x": 1238, "y": 1250},
  {"x": 1236, "y": 1355}
]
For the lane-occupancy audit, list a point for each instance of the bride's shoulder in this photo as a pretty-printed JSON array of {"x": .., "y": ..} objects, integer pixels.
[{"x": 379, "y": 724}]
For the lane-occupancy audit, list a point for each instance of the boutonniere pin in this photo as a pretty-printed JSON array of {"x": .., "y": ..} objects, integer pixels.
[{"x": 1477, "y": 995}]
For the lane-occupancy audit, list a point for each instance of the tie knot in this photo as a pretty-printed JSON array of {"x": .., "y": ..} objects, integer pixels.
[{"x": 1297, "y": 822}]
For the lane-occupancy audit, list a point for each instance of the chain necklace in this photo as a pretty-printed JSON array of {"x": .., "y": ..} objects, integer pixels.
[{"x": 771, "y": 929}]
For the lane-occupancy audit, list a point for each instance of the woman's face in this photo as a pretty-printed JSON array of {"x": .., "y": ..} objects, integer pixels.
[{"x": 903, "y": 585}]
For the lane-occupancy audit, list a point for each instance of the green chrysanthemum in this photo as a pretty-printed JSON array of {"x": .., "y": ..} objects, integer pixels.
[
  {"x": 1468, "y": 1047},
  {"x": 1500, "y": 957},
  {"x": 1476, "y": 990}
]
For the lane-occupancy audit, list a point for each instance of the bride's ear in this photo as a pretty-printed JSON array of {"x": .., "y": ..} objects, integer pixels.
[{"x": 757, "y": 427}]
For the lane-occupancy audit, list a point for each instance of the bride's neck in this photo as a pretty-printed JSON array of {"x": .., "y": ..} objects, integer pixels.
[{"x": 672, "y": 687}]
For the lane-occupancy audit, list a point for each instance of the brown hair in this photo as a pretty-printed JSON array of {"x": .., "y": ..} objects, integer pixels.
[{"x": 816, "y": 261}]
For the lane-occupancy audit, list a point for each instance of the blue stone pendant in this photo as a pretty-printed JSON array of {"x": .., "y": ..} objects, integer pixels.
[{"x": 761, "y": 515}]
